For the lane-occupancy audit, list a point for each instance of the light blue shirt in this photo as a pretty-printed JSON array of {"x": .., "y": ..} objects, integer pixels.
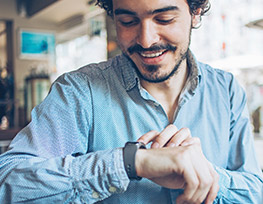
[{"x": 71, "y": 151}]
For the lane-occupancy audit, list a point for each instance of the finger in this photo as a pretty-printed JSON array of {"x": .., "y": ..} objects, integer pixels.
[
  {"x": 197, "y": 192},
  {"x": 192, "y": 183},
  {"x": 190, "y": 141},
  {"x": 213, "y": 190},
  {"x": 164, "y": 136},
  {"x": 179, "y": 137},
  {"x": 206, "y": 182},
  {"x": 148, "y": 137},
  {"x": 206, "y": 174}
]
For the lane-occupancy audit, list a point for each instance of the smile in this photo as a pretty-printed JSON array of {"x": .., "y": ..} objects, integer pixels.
[{"x": 151, "y": 55}]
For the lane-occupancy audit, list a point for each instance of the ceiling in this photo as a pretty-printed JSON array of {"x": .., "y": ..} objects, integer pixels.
[
  {"x": 59, "y": 11},
  {"x": 70, "y": 16},
  {"x": 62, "y": 11}
]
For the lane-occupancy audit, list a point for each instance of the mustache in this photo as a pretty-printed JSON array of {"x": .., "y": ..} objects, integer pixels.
[{"x": 139, "y": 48}]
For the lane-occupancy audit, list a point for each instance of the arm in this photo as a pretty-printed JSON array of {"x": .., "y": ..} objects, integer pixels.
[
  {"x": 236, "y": 186},
  {"x": 241, "y": 181},
  {"x": 67, "y": 179},
  {"x": 47, "y": 162}
]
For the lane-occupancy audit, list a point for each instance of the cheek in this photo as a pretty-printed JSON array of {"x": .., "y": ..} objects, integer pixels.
[
  {"x": 175, "y": 35},
  {"x": 125, "y": 37}
]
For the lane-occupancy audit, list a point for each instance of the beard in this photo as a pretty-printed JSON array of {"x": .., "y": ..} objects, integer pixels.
[
  {"x": 154, "y": 71},
  {"x": 153, "y": 74}
]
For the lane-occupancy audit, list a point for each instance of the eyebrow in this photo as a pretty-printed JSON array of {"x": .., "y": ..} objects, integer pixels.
[
  {"x": 120, "y": 11},
  {"x": 168, "y": 8}
]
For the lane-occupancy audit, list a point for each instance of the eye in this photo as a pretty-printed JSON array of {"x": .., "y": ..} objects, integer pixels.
[
  {"x": 165, "y": 20},
  {"x": 128, "y": 21}
]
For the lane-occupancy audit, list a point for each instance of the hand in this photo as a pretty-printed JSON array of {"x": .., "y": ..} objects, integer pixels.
[
  {"x": 182, "y": 165},
  {"x": 169, "y": 137}
]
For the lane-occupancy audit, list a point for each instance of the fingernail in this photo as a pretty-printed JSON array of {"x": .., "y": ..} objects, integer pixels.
[{"x": 155, "y": 145}]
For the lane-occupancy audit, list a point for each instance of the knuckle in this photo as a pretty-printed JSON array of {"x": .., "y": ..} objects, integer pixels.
[
  {"x": 208, "y": 182},
  {"x": 195, "y": 183},
  {"x": 204, "y": 185},
  {"x": 188, "y": 199}
]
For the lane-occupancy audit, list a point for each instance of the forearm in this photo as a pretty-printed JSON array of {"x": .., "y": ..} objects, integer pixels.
[
  {"x": 88, "y": 178},
  {"x": 239, "y": 187}
]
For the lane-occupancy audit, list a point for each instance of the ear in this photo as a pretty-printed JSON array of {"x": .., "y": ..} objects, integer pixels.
[{"x": 196, "y": 18}]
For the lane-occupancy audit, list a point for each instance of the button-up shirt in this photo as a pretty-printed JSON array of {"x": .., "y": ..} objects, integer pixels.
[{"x": 71, "y": 150}]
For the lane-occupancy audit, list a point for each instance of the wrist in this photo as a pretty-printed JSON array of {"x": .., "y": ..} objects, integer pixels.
[{"x": 139, "y": 160}]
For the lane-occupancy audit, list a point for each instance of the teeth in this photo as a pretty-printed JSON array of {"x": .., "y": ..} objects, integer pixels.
[{"x": 151, "y": 54}]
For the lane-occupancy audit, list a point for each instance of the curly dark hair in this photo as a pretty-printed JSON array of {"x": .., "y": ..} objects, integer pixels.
[{"x": 193, "y": 5}]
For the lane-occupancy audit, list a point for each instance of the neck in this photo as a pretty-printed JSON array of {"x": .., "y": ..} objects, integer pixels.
[{"x": 167, "y": 93}]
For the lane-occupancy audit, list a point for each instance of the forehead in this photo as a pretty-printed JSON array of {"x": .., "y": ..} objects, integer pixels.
[{"x": 140, "y": 7}]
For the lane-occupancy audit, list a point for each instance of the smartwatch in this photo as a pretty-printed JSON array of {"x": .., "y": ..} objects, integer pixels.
[{"x": 129, "y": 152}]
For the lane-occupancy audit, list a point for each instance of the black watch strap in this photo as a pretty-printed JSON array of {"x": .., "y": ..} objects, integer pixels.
[{"x": 129, "y": 152}]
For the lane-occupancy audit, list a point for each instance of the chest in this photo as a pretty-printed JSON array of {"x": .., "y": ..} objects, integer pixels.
[{"x": 117, "y": 120}]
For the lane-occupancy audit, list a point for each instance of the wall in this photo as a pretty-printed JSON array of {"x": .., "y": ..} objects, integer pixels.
[{"x": 8, "y": 11}]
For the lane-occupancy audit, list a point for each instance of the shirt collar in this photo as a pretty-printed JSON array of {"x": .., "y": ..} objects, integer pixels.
[
  {"x": 131, "y": 79},
  {"x": 128, "y": 71},
  {"x": 194, "y": 76}
]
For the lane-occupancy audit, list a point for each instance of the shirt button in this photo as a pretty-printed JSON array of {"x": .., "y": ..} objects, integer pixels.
[
  {"x": 95, "y": 195},
  {"x": 112, "y": 189}
]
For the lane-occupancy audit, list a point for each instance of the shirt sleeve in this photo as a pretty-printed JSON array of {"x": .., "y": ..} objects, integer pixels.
[
  {"x": 241, "y": 181},
  {"x": 49, "y": 160}
]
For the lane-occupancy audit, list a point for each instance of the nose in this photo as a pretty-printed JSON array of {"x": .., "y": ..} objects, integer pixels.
[{"x": 147, "y": 34}]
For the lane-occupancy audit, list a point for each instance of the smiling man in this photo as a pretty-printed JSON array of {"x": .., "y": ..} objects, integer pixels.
[
  {"x": 154, "y": 36},
  {"x": 152, "y": 125}
]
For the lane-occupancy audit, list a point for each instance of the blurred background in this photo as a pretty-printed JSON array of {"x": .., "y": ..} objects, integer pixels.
[{"x": 42, "y": 39}]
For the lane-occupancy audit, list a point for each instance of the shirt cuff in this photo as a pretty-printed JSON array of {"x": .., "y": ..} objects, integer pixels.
[{"x": 98, "y": 175}]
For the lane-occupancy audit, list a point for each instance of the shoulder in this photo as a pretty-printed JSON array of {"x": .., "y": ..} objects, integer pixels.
[
  {"x": 208, "y": 72},
  {"x": 92, "y": 72},
  {"x": 218, "y": 77},
  {"x": 221, "y": 82}
]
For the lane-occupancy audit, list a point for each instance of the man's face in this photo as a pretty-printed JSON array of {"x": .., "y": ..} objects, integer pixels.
[{"x": 155, "y": 34}]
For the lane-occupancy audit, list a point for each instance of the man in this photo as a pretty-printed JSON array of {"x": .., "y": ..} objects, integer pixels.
[{"x": 191, "y": 117}]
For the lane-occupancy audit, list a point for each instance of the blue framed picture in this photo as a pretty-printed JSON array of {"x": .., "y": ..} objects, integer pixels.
[{"x": 36, "y": 44}]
